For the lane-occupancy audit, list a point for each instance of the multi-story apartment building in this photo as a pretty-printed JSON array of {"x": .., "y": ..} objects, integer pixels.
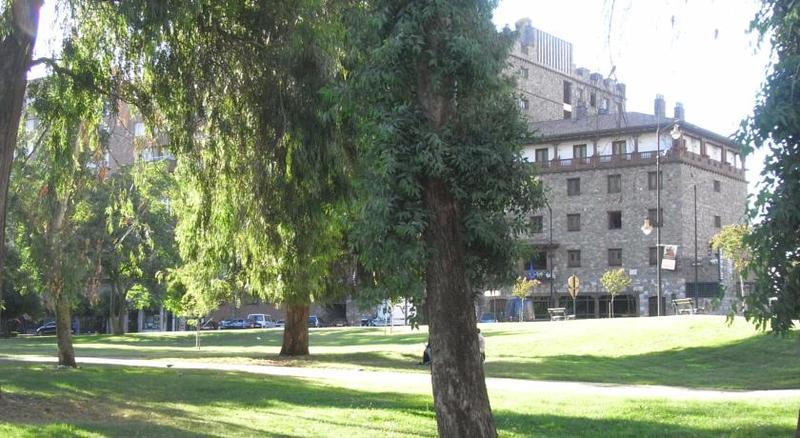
[
  {"x": 598, "y": 165},
  {"x": 551, "y": 87}
]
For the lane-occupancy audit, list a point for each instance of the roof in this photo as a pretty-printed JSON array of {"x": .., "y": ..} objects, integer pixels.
[{"x": 616, "y": 123}]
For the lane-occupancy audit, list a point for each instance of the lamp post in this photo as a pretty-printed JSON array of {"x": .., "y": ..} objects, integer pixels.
[{"x": 647, "y": 228}]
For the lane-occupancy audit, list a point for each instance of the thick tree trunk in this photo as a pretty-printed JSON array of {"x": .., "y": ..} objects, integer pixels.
[
  {"x": 459, "y": 388},
  {"x": 66, "y": 354},
  {"x": 295, "y": 333},
  {"x": 16, "y": 50},
  {"x": 115, "y": 309}
]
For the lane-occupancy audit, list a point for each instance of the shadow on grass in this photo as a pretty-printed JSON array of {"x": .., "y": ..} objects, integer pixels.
[
  {"x": 758, "y": 362},
  {"x": 147, "y": 402}
]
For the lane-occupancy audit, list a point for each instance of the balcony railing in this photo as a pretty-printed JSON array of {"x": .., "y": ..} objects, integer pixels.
[{"x": 673, "y": 155}]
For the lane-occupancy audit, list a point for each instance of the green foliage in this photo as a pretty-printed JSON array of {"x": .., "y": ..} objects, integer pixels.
[
  {"x": 775, "y": 125},
  {"x": 474, "y": 149},
  {"x": 615, "y": 281},
  {"x": 524, "y": 288},
  {"x": 731, "y": 240}
]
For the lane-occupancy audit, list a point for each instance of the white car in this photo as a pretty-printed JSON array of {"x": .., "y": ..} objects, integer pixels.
[{"x": 261, "y": 320}]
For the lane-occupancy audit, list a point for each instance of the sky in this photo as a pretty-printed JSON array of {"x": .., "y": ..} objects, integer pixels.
[{"x": 697, "y": 52}]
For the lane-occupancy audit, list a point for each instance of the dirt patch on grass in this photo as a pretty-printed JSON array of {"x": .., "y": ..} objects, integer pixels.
[{"x": 22, "y": 408}]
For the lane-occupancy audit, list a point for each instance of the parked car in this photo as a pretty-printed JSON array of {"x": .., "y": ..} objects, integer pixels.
[
  {"x": 49, "y": 328},
  {"x": 237, "y": 323},
  {"x": 261, "y": 320},
  {"x": 280, "y": 323},
  {"x": 209, "y": 325},
  {"x": 313, "y": 321},
  {"x": 488, "y": 317}
]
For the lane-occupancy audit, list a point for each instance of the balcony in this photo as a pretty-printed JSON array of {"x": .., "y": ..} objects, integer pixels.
[{"x": 633, "y": 159}]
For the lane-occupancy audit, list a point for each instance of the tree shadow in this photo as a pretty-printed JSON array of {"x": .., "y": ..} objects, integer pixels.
[{"x": 752, "y": 363}]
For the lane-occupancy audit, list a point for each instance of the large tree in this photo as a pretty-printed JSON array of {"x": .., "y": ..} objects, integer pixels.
[
  {"x": 773, "y": 242},
  {"x": 445, "y": 188},
  {"x": 19, "y": 23},
  {"x": 238, "y": 88}
]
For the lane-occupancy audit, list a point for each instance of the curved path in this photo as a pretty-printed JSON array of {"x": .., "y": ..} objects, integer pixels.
[{"x": 378, "y": 378}]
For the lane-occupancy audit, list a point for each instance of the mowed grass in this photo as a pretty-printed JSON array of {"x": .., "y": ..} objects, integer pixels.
[
  {"x": 110, "y": 401},
  {"x": 692, "y": 351}
]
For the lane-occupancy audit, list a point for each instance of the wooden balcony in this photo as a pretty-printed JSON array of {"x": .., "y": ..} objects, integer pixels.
[{"x": 634, "y": 159}]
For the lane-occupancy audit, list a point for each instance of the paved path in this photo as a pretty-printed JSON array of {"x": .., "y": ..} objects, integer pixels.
[{"x": 379, "y": 378}]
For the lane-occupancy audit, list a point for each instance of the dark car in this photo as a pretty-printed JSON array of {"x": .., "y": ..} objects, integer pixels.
[
  {"x": 209, "y": 325},
  {"x": 313, "y": 321},
  {"x": 49, "y": 328},
  {"x": 238, "y": 323}
]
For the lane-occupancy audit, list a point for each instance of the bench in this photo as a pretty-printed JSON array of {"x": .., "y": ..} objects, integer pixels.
[
  {"x": 684, "y": 306},
  {"x": 559, "y": 314}
]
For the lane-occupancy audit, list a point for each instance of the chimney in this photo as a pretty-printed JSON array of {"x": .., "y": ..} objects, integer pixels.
[
  {"x": 660, "y": 107},
  {"x": 680, "y": 114}
]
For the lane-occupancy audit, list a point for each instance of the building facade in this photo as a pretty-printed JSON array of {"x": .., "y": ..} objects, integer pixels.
[{"x": 598, "y": 165}]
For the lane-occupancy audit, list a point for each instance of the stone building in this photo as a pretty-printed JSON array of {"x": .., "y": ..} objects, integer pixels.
[
  {"x": 551, "y": 87},
  {"x": 600, "y": 178}
]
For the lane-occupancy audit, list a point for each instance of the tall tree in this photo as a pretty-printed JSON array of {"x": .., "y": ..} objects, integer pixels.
[
  {"x": 444, "y": 185},
  {"x": 238, "y": 88},
  {"x": 775, "y": 126},
  {"x": 54, "y": 219},
  {"x": 19, "y": 24}
]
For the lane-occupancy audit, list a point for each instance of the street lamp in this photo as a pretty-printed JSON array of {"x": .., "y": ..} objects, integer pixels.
[{"x": 647, "y": 228}]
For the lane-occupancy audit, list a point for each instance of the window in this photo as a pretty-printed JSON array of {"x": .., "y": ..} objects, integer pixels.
[
  {"x": 619, "y": 147},
  {"x": 524, "y": 73},
  {"x": 579, "y": 151},
  {"x": 567, "y": 92},
  {"x": 573, "y": 222},
  {"x": 573, "y": 186},
  {"x": 592, "y": 100},
  {"x": 717, "y": 222},
  {"x": 614, "y": 183},
  {"x": 614, "y": 220},
  {"x": 567, "y": 114},
  {"x": 524, "y": 104},
  {"x": 615, "y": 257},
  {"x": 653, "y": 256},
  {"x": 524, "y": 49},
  {"x": 537, "y": 224},
  {"x": 574, "y": 258},
  {"x": 541, "y": 155},
  {"x": 603, "y": 105},
  {"x": 651, "y": 180},
  {"x": 717, "y": 186},
  {"x": 655, "y": 221}
]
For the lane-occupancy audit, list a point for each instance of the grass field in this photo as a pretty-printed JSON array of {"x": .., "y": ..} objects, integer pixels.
[
  {"x": 693, "y": 351},
  {"x": 111, "y": 401}
]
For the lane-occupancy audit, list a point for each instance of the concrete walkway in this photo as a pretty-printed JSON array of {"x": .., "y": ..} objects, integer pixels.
[{"x": 379, "y": 378}]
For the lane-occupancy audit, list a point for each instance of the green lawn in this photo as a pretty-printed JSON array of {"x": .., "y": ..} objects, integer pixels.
[
  {"x": 693, "y": 351},
  {"x": 110, "y": 401}
]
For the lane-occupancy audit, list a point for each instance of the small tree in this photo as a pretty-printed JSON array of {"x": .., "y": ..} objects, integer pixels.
[
  {"x": 731, "y": 241},
  {"x": 615, "y": 281},
  {"x": 522, "y": 288}
]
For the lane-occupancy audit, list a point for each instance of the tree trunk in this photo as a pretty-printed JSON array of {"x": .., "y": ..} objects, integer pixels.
[
  {"x": 16, "y": 50},
  {"x": 66, "y": 354},
  {"x": 295, "y": 333},
  {"x": 459, "y": 388},
  {"x": 115, "y": 309},
  {"x": 797, "y": 432}
]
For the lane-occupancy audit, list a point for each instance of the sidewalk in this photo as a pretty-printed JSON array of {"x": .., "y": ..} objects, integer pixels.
[{"x": 378, "y": 378}]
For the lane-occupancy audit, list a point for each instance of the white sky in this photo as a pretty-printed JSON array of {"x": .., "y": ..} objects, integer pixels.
[
  {"x": 705, "y": 58},
  {"x": 697, "y": 52}
]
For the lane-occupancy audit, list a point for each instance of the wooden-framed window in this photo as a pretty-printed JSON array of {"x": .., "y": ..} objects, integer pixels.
[
  {"x": 573, "y": 222},
  {"x": 615, "y": 257},
  {"x": 614, "y": 183},
  {"x": 619, "y": 147},
  {"x": 651, "y": 180},
  {"x": 537, "y": 224},
  {"x": 573, "y": 186},
  {"x": 614, "y": 220},
  {"x": 656, "y": 220},
  {"x": 574, "y": 258}
]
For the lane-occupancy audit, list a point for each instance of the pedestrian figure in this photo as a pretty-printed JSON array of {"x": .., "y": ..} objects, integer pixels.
[
  {"x": 426, "y": 355},
  {"x": 482, "y": 346}
]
